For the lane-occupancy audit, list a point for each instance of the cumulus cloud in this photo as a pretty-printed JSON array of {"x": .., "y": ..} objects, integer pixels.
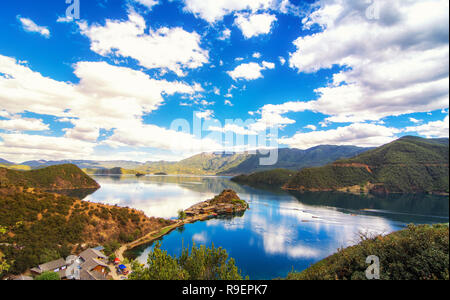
[
  {"x": 437, "y": 129},
  {"x": 207, "y": 114},
  {"x": 152, "y": 136},
  {"x": 107, "y": 97},
  {"x": 232, "y": 128},
  {"x": 214, "y": 10},
  {"x": 166, "y": 48},
  {"x": 359, "y": 134},
  {"x": 147, "y": 3},
  {"x": 23, "y": 124},
  {"x": 22, "y": 147},
  {"x": 311, "y": 127},
  {"x": 226, "y": 34},
  {"x": 395, "y": 65},
  {"x": 253, "y": 25},
  {"x": 250, "y": 71},
  {"x": 30, "y": 26}
]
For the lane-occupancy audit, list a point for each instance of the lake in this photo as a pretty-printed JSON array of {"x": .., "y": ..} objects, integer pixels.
[{"x": 282, "y": 231}]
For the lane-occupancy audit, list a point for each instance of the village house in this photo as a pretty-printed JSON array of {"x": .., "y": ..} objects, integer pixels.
[{"x": 89, "y": 265}]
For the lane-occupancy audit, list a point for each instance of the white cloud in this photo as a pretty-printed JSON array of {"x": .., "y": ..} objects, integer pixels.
[
  {"x": 253, "y": 25},
  {"x": 282, "y": 60},
  {"x": 256, "y": 55},
  {"x": 415, "y": 121},
  {"x": 23, "y": 124},
  {"x": 226, "y": 34},
  {"x": 395, "y": 65},
  {"x": 22, "y": 147},
  {"x": 437, "y": 129},
  {"x": 30, "y": 26},
  {"x": 214, "y": 10},
  {"x": 228, "y": 102},
  {"x": 311, "y": 127},
  {"x": 207, "y": 114},
  {"x": 250, "y": 71},
  {"x": 147, "y": 3},
  {"x": 232, "y": 128},
  {"x": 172, "y": 49},
  {"x": 151, "y": 136},
  {"x": 359, "y": 134},
  {"x": 64, "y": 19},
  {"x": 106, "y": 97}
]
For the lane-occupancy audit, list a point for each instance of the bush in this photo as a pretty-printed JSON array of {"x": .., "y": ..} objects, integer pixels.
[
  {"x": 415, "y": 253},
  {"x": 195, "y": 264},
  {"x": 48, "y": 276}
]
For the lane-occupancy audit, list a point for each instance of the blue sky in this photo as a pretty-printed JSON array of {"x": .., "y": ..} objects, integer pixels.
[{"x": 114, "y": 83}]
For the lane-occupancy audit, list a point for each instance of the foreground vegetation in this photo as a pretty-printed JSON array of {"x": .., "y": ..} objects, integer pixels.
[
  {"x": 198, "y": 263},
  {"x": 415, "y": 253}
]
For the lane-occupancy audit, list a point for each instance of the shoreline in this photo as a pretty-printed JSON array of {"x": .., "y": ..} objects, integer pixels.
[
  {"x": 199, "y": 212},
  {"x": 155, "y": 235}
]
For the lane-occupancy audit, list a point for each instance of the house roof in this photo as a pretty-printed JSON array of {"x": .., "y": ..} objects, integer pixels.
[
  {"x": 87, "y": 275},
  {"x": 91, "y": 253},
  {"x": 91, "y": 263},
  {"x": 52, "y": 265},
  {"x": 22, "y": 277}
]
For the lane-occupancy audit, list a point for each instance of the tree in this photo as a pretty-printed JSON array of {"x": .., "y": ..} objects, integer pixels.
[
  {"x": 161, "y": 266},
  {"x": 194, "y": 264},
  {"x": 48, "y": 276},
  {"x": 181, "y": 214},
  {"x": 4, "y": 265}
]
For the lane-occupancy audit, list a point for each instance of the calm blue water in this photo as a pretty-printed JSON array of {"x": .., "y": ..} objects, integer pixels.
[{"x": 280, "y": 232}]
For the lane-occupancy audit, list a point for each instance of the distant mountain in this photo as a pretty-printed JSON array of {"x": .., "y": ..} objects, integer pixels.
[
  {"x": 60, "y": 177},
  {"x": 5, "y": 162},
  {"x": 408, "y": 165},
  {"x": 217, "y": 163},
  {"x": 84, "y": 164},
  {"x": 296, "y": 159}
]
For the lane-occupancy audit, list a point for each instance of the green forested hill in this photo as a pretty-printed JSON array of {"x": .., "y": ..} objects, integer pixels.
[
  {"x": 408, "y": 165},
  {"x": 415, "y": 253},
  {"x": 296, "y": 159},
  {"x": 275, "y": 178},
  {"x": 59, "y": 177}
]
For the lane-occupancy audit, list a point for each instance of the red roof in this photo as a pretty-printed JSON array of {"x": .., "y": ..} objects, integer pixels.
[{"x": 117, "y": 259}]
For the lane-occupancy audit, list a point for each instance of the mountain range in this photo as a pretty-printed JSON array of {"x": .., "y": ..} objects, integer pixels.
[
  {"x": 214, "y": 163},
  {"x": 407, "y": 165}
]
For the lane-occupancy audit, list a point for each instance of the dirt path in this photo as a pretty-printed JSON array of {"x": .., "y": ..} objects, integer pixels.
[{"x": 152, "y": 236}]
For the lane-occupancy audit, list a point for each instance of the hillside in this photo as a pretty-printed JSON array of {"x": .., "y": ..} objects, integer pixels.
[
  {"x": 112, "y": 171},
  {"x": 408, "y": 165},
  {"x": 415, "y": 253},
  {"x": 42, "y": 227},
  {"x": 60, "y": 177},
  {"x": 275, "y": 178},
  {"x": 296, "y": 159}
]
